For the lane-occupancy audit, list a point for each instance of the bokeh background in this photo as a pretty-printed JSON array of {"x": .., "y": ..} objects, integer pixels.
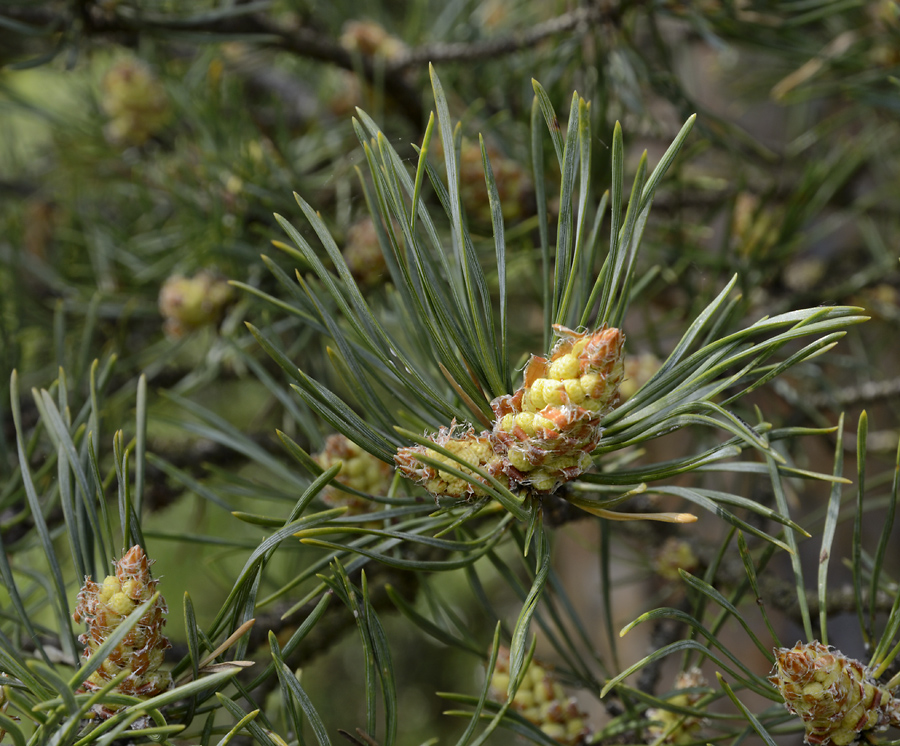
[{"x": 146, "y": 144}]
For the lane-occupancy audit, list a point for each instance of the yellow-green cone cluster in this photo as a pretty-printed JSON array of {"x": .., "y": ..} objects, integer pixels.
[
  {"x": 360, "y": 470},
  {"x": 187, "y": 303},
  {"x": 541, "y": 700},
  {"x": 672, "y": 727},
  {"x": 549, "y": 427},
  {"x": 103, "y": 607},
  {"x": 836, "y": 697},
  {"x": 136, "y": 102},
  {"x": 477, "y": 450},
  {"x": 544, "y": 433}
]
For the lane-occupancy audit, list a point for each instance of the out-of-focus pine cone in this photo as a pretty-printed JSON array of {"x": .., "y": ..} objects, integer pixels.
[
  {"x": 638, "y": 370},
  {"x": 513, "y": 184},
  {"x": 371, "y": 39},
  {"x": 103, "y": 607},
  {"x": 673, "y": 727},
  {"x": 836, "y": 697},
  {"x": 188, "y": 303},
  {"x": 136, "y": 102},
  {"x": 541, "y": 700},
  {"x": 363, "y": 254},
  {"x": 360, "y": 470},
  {"x": 675, "y": 554}
]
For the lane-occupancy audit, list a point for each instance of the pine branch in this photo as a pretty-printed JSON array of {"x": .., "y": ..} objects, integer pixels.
[{"x": 579, "y": 21}]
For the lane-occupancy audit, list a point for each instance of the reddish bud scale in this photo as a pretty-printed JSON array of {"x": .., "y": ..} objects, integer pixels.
[
  {"x": 103, "y": 607},
  {"x": 836, "y": 697}
]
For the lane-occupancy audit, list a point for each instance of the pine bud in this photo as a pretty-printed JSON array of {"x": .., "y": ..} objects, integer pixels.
[
  {"x": 474, "y": 449},
  {"x": 360, "y": 470},
  {"x": 836, "y": 697},
  {"x": 541, "y": 700},
  {"x": 103, "y": 607},
  {"x": 136, "y": 102},
  {"x": 188, "y": 303},
  {"x": 673, "y": 727}
]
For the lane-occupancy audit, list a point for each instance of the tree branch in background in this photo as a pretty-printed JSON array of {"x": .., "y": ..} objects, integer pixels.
[{"x": 312, "y": 44}]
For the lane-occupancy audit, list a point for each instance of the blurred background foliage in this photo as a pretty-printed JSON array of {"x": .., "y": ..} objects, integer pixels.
[{"x": 146, "y": 145}]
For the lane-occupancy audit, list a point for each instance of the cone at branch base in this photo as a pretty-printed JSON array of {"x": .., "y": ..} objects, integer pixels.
[
  {"x": 836, "y": 697},
  {"x": 103, "y": 607}
]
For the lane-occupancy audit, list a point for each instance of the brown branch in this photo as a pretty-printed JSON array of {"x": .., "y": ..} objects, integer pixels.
[
  {"x": 298, "y": 40},
  {"x": 312, "y": 44},
  {"x": 579, "y": 21}
]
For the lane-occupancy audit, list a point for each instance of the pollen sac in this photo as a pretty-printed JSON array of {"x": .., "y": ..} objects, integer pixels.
[
  {"x": 360, "y": 470},
  {"x": 103, "y": 607},
  {"x": 547, "y": 429},
  {"x": 475, "y": 449},
  {"x": 541, "y": 700},
  {"x": 836, "y": 697},
  {"x": 673, "y": 727}
]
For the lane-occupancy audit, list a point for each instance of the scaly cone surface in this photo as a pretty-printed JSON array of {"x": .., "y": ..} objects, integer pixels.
[
  {"x": 549, "y": 427},
  {"x": 544, "y": 433},
  {"x": 836, "y": 697},
  {"x": 103, "y": 607}
]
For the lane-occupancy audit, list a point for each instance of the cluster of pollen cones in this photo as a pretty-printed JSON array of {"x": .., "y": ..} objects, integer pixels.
[
  {"x": 103, "y": 607},
  {"x": 544, "y": 433},
  {"x": 836, "y": 697},
  {"x": 541, "y": 700}
]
